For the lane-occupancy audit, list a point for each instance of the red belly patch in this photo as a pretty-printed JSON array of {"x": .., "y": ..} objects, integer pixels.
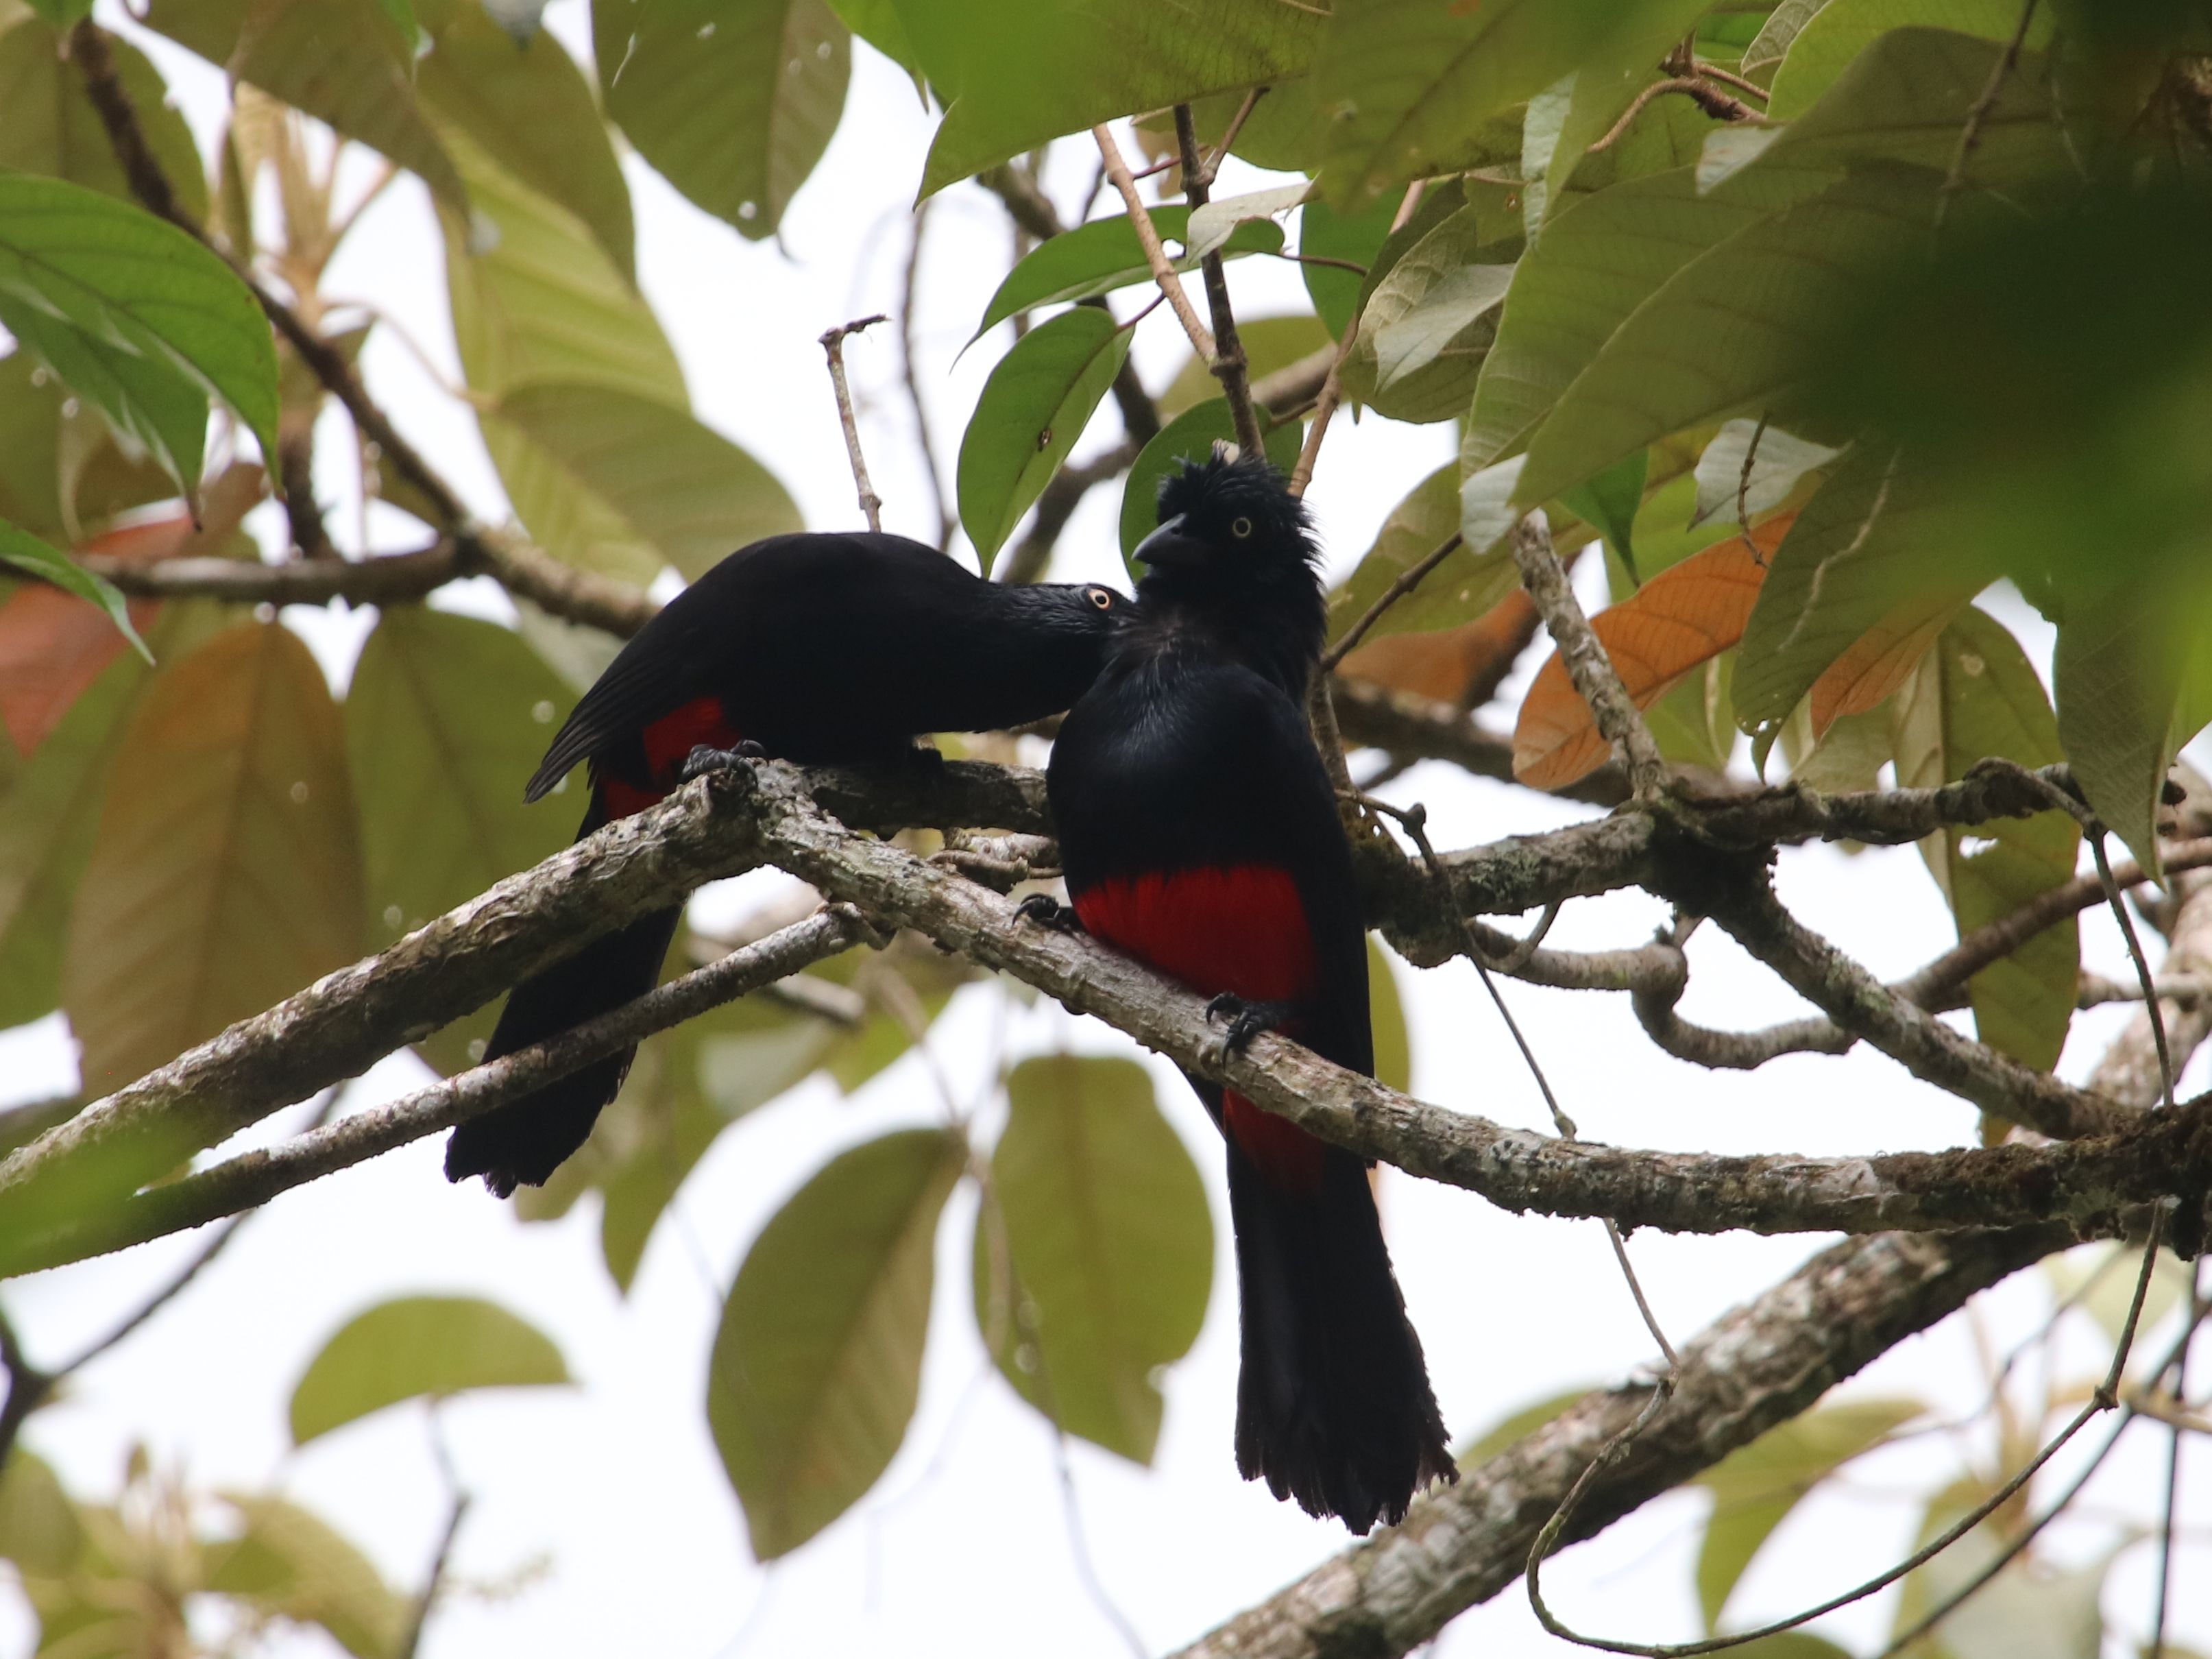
[
  {"x": 1240, "y": 929},
  {"x": 668, "y": 742}
]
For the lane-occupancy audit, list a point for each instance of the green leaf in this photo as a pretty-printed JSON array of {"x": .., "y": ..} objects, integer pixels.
[
  {"x": 1462, "y": 588},
  {"x": 39, "y": 1530},
  {"x": 531, "y": 111},
  {"x": 1015, "y": 74},
  {"x": 1973, "y": 696},
  {"x": 1596, "y": 263},
  {"x": 818, "y": 1358},
  {"x": 292, "y": 1564},
  {"x": 540, "y": 300},
  {"x": 1033, "y": 409},
  {"x": 1213, "y": 227},
  {"x": 610, "y": 481},
  {"x": 1730, "y": 331},
  {"x": 1517, "y": 1427},
  {"x": 53, "y": 129},
  {"x": 1414, "y": 81},
  {"x": 733, "y": 102},
  {"x": 1609, "y": 500},
  {"x": 1771, "y": 44},
  {"x": 1108, "y": 1248},
  {"x": 343, "y": 62},
  {"x": 445, "y": 713},
  {"x": 877, "y": 23},
  {"x": 1386, "y": 1011},
  {"x": 419, "y": 1347},
  {"x": 1825, "y": 45},
  {"x": 228, "y": 875},
  {"x": 135, "y": 315},
  {"x": 1888, "y": 514},
  {"x": 1099, "y": 257},
  {"x": 1756, "y": 1487},
  {"x": 1190, "y": 437},
  {"x": 1777, "y": 466},
  {"x": 1427, "y": 323},
  {"x": 27, "y": 552},
  {"x": 1356, "y": 238}
]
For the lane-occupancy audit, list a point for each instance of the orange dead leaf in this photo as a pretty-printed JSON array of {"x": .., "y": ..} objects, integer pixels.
[
  {"x": 1877, "y": 664},
  {"x": 1447, "y": 665},
  {"x": 1677, "y": 621}
]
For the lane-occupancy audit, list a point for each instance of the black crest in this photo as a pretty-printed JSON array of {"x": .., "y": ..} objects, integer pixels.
[{"x": 1213, "y": 497}]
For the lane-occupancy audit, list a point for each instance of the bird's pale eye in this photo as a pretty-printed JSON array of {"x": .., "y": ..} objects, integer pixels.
[
  {"x": 1240, "y": 528},
  {"x": 1102, "y": 598}
]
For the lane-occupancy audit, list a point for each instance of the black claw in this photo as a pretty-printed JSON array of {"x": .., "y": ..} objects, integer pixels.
[
  {"x": 705, "y": 759},
  {"x": 1046, "y": 911},
  {"x": 1247, "y": 1019}
]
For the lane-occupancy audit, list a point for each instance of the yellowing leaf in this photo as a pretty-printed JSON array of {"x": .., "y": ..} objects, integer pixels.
[
  {"x": 818, "y": 1358},
  {"x": 228, "y": 874},
  {"x": 1881, "y": 660},
  {"x": 419, "y": 1347},
  {"x": 1675, "y": 623}
]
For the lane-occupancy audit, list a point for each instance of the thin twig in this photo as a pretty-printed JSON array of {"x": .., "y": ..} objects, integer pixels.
[
  {"x": 1210, "y": 169},
  {"x": 1969, "y": 134},
  {"x": 1743, "y": 491},
  {"x": 1707, "y": 96},
  {"x": 833, "y": 346},
  {"x": 1230, "y": 365},
  {"x": 912, "y": 377},
  {"x": 1148, "y": 239},
  {"x": 1406, "y": 582}
]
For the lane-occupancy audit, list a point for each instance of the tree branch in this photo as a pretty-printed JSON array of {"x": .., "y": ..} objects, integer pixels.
[
  {"x": 1230, "y": 365},
  {"x": 1148, "y": 239},
  {"x": 1751, "y": 1369}
]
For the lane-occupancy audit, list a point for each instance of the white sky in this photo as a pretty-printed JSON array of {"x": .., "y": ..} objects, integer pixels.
[{"x": 965, "y": 1545}]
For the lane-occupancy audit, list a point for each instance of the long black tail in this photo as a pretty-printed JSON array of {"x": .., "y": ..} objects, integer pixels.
[
  {"x": 1333, "y": 1405},
  {"x": 523, "y": 1142}
]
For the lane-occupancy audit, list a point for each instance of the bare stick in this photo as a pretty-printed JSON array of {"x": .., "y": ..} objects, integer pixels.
[
  {"x": 1148, "y": 238},
  {"x": 1228, "y": 365},
  {"x": 1707, "y": 96},
  {"x": 1587, "y": 665},
  {"x": 833, "y": 346},
  {"x": 1969, "y": 136},
  {"x": 1407, "y": 580}
]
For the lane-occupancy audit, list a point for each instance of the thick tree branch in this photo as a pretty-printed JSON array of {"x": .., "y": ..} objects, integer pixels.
[
  {"x": 253, "y": 1178},
  {"x": 1747, "y": 1372}
]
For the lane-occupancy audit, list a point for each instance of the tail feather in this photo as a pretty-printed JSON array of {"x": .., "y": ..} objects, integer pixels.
[
  {"x": 1334, "y": 1406},
  {"x": 523, "y": 1142}
]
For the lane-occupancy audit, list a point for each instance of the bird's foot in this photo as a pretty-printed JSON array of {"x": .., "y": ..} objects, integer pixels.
[
  {"x": 1046, "y": 911},
  {"x": 1246, "y": 1018},
  {"x": 705, "y": 759}
]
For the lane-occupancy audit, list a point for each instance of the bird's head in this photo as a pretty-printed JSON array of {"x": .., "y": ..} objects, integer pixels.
[{"x": 1234, "y": 551}]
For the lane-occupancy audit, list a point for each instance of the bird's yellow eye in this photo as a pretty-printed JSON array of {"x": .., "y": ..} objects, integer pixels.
[
  {"x": 1101, "y": 597},
  {"x": 1240, "y": 528}
]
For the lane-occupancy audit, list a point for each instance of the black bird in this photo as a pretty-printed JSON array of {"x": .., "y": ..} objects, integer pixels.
[
  {"x": 1200, "y": 834},
  {"x": 825, "y": 649}
]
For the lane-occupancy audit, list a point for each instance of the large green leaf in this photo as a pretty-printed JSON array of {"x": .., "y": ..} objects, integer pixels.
[
  {"x": 1595, "y": 263},
  {"x": 136, "y": 316},
  {"x": 1462, "y": 588},
  {"x": 1976, "y": 695},
  {"x": 291, "y": 1564},
  {"x": 1190, "y": 437},
  {"x": 1015, "y": 74},
  {"x": 345, "y": 62},
  {"x": 1099, "y": 257},
  {"x": 1033, "y": 409},
  {"x": 444, "y": 715},
  {"x": 1755, "y": 1488},
  {"x": 1412, "y": 81},
  {"x": 417, "y": 1347},
  {"x": 530, "y": 109},
  {"x": 228, "y": 875},
  {"x": 1731, "y": 331},
  {"x": 818, "y": 1358},
  {"x": 1109, "y": 1248},
  {"x": 25, "y": 551},
  {"x": 614, "y": 482},
  {"x": 52, "y": 127},
  {"x": 1826, "y": 45},
  {"x": 1357, "y": 239},
  {"x": 542, "y": 301},
  {"x": 733, "y": 100},
  {"x": 1426, "y": 325}
]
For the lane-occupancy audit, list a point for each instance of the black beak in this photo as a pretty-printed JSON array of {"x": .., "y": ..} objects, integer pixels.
[{"x": 1168, "y": 549}]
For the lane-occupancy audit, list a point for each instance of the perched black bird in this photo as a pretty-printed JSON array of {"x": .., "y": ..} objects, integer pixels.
[
  {"x": 1200, "y": 834},
  {"x": 818, "y": 648}
]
